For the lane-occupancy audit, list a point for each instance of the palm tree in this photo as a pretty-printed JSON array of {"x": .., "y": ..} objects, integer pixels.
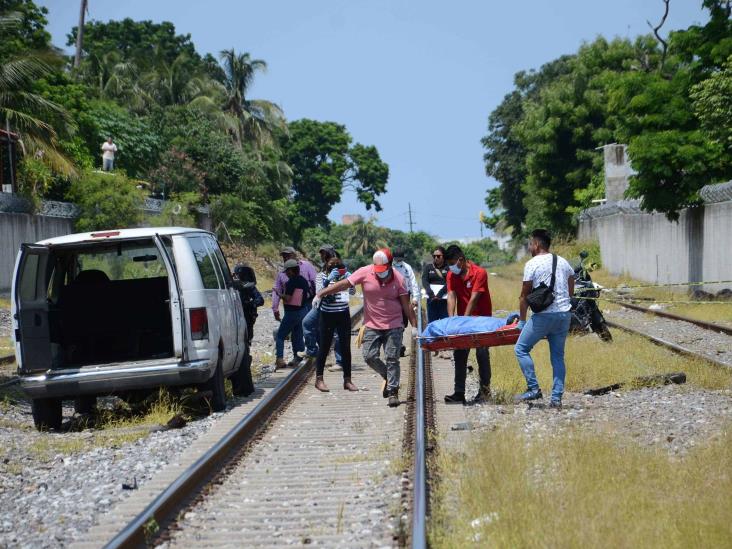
[
  {"x": 28, "y": 114},
  {"x": 364, "y": 237},
  {"x": 258, "y": 119}
]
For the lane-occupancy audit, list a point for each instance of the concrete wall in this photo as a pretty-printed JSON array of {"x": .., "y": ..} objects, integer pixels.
[
  {"x": 649, "y": 247},
  {"x": 17, "y": 228}
]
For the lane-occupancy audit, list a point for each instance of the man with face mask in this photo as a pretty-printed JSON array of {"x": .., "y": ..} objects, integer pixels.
[
  {"x": 468, "y": 295},
  {"x": 385, "y": 299}
]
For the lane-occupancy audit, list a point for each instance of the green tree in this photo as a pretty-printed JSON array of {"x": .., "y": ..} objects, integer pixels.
[
  {"x": 712, "y": 100},
  {"x": 324, "y": 164},
  {"x": 106, "y": 201},
  {"x": 24, "y": 29},
  {"x": 258, "y": 119},
  {"x": 28, "y": 113}
]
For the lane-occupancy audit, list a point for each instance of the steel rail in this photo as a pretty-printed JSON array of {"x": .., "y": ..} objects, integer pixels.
[
  {"x": 176, "y": 493},
  {"x": 668, "y": 344},
  {"x": 419, "y": 500},
  {"x": 701, "y": 323}
]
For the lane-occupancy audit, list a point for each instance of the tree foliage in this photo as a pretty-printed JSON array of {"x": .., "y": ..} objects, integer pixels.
[
  {"x": 107, "y": 201},
  {"x": 667, "y": 103},
  {"x": 324, "y": 164}
]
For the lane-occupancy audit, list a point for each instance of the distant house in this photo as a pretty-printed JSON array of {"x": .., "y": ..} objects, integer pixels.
[
  {"x": 350, "y": 219},
  {"x": 8, "y": 160}
]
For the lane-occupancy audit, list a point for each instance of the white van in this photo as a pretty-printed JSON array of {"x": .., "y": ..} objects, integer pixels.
[{"x": 125, "y": 312}]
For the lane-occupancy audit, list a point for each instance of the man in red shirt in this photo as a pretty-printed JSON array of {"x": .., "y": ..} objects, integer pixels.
[{"x": 468, "y": 295}]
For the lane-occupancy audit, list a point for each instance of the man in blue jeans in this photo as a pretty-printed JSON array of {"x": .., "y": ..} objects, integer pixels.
[{"x": 552, "y": 323}]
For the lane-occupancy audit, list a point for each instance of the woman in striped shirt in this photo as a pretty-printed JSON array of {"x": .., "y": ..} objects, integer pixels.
[{"x": 335, "y": 316}]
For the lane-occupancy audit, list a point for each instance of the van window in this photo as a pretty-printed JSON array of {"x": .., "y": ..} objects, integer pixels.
[
  {"x": 28, "y": 279},
  {"x": 123, "y": 261},
  {"x": 226, "y": 273},
  {"x": 205, "y": 263}
]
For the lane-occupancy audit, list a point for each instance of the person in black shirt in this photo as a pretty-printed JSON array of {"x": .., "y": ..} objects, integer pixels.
[
  {"x": 296, "y": 297},
  {"x": 245, "y": 282},
  {"x": 434, "y": 282}
]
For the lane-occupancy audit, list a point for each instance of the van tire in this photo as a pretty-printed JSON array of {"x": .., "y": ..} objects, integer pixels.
[
  {"x": 241, "y": 380},
  {"x": 46, "y": 413},
  {"x": 85, "y": 405},
  {"x": 216, "y": 386}
]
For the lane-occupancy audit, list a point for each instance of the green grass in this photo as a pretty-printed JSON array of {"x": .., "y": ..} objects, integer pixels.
[
  {"x": 591, "y": 362},
  {"x": 585, "y": 489}
]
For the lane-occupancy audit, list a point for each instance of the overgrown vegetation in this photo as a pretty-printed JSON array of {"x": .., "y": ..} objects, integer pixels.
[
  {"x": 666, "y": 98},
  {"x": 583, "y": 489},
  {"x": 182, "y": 121}
]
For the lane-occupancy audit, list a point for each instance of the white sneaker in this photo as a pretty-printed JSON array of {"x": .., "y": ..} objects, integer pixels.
[{"x": 335, "y": 368}]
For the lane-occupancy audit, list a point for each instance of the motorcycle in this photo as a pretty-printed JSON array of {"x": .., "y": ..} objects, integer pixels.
[{"x": 586, "y": 315}]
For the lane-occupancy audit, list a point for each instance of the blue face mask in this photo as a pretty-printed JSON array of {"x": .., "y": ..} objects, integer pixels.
[
  {"x": 455, "y": 269},
  {"x": 383, "y": 275},
  {"x": 398, "y": 262}
]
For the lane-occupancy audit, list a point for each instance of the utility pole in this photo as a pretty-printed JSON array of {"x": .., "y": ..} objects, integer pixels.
[
  {"x": 80, "y": 34},
  {"x": 411, "y": 223}
]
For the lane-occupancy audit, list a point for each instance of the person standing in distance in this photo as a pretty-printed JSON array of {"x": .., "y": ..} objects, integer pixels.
[
  {"x": 385, "y": 299},
  {"x": 108, "y": 151},
  {"x": 468, "y": 295},
  {"x": 405, "y": 269},
  {"x": 551, "y": 323},
  {"x": 434, "y": 282}
]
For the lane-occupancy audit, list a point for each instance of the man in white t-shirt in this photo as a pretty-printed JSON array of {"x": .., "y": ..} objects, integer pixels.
[
  {"x": 108, "y": 150},
  {"x": 551, "y": 323}
]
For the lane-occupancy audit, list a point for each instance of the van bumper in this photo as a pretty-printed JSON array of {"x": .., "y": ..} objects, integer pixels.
[{"x": 116, "y": 378}]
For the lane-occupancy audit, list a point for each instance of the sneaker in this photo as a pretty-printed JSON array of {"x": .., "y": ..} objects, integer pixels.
[
  {"x": 483, "y": 396},
  {"x": 555, "y": 403},
  {"x": 528, "y": 396},
  {"x": 455, "y": 398},
  {"x": 335, "y": 368},
  {"x": 394, "y": 398},
  {"x": 295, "y": 362}
]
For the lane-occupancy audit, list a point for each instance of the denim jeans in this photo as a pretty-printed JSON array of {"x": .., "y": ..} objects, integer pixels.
[
  {"x": 553, "y": 326},
  {"x": 108, "y": 164},
  {"x": 391, "y": 340},
  {"x": 311, "y": 328},
  {"x": 291, "y": 325},
  {"x": 436, "y": 309}
]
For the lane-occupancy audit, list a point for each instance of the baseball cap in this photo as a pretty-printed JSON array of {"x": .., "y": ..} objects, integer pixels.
[
  {"x": 288, "y": 250},
  {"x": 291, "y": 263},
  {"x": 382, "y": 260}
]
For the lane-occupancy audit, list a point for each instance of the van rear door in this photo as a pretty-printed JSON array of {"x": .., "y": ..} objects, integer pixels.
[{"x": 31, "y": 308}]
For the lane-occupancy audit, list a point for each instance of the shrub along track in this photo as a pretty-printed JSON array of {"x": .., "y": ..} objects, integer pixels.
[{"x": 303, "y": 467}]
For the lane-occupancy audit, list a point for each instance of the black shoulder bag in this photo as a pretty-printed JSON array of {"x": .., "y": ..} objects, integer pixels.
[{"x": 542, "y": 296}]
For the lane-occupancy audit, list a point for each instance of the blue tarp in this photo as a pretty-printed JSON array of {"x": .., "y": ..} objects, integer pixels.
[{"x": 462, "y": 325}]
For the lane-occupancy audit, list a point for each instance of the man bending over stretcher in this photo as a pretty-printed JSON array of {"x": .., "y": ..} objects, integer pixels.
[{"x": 468, "y": 295}]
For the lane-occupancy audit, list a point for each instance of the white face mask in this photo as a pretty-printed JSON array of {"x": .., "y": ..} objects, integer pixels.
[
  {"x": 383, "y": 275},
  {"x": 455, "y": 269},
  {"x": 398, "y": 262}
]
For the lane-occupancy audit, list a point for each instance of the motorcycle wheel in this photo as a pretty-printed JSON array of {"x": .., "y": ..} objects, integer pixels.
[{"x": 600, "y": 327}]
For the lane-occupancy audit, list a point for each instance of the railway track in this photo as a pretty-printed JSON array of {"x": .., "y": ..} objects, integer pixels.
[
  {"x": 706, "y": 341},
  {"x": 304, "y": 467}
]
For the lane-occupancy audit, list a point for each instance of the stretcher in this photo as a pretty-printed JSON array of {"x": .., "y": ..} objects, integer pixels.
[{"x": 432, "y": 340}]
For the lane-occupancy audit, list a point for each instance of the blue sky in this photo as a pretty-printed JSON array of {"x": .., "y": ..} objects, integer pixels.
[{"x": 417, "y": 79}]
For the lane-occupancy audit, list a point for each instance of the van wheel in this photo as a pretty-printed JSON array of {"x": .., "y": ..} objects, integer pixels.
[
  {"x": 46, "y": 413},
  {"x": 241, "y": 380},
  {"x": 85, "y": 405},
  {"x": 216, "y": 386}
]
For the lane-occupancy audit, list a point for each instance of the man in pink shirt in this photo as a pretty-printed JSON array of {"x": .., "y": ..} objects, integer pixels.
[{"x": 385, "y": 298}]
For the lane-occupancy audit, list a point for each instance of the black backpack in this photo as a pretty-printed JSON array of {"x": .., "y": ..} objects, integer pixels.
[{"x": 542, "y": 296}]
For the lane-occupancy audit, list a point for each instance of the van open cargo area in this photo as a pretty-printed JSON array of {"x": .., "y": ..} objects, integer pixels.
[{"x": 100, "y": 321}]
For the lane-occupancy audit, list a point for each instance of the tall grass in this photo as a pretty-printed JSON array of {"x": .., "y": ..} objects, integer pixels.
[
  {"x": 586, "y": 489},
  {"x": 590, "y": 361}
]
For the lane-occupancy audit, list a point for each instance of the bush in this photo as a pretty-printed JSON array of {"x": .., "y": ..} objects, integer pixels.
[
  {"x": 34, "y": 179},
  {"x": 107, "y": 201},
  {"x": 245, "y": 221}
]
